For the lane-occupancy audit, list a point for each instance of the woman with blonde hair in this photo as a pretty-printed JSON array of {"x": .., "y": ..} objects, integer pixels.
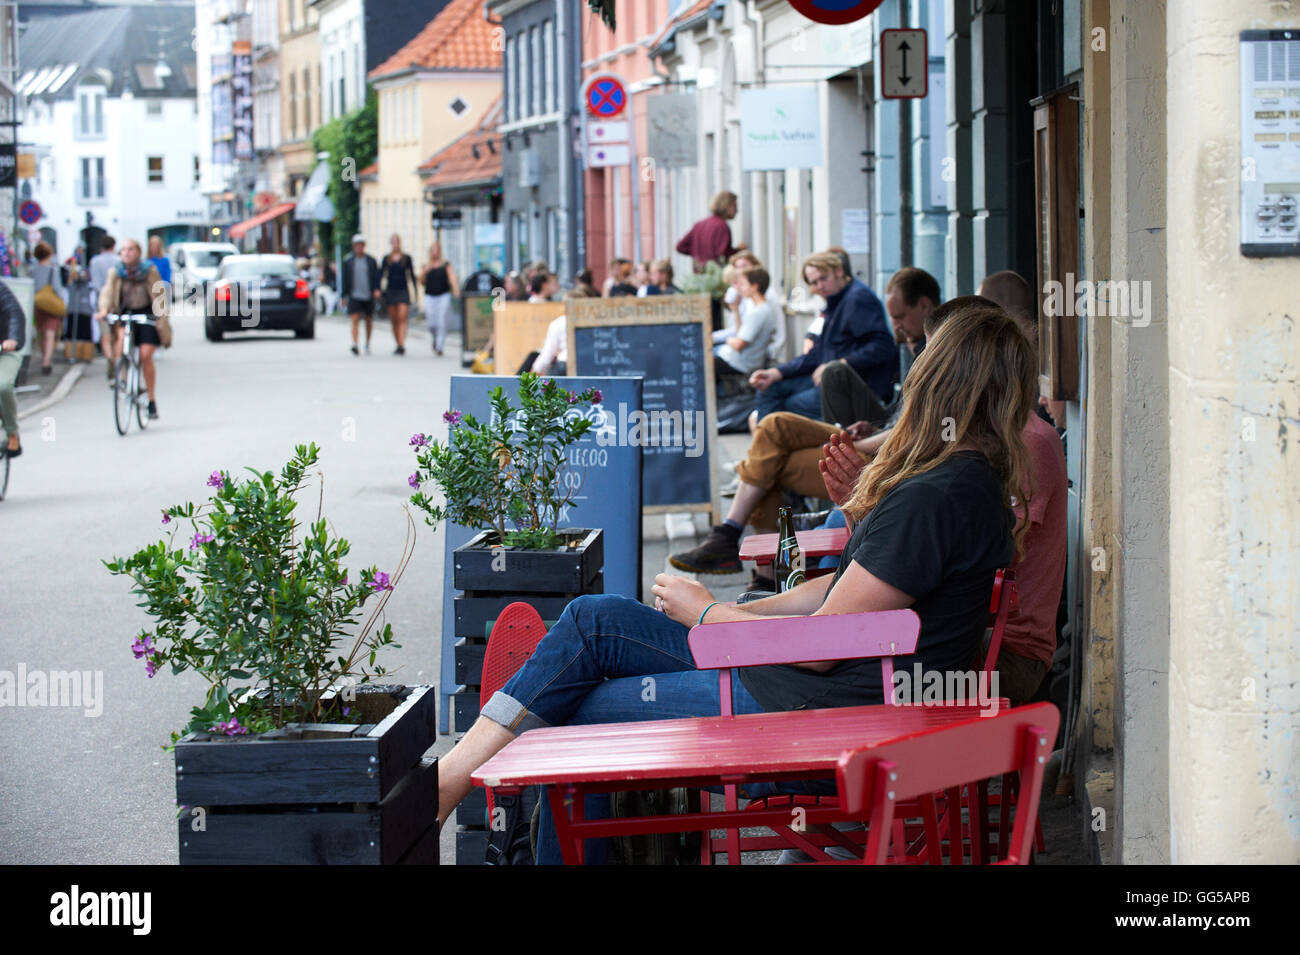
[
  {"x": 935, "y": 522},
  {"x": 135, "y": 288},
  {"x": 440, "y": 286}
]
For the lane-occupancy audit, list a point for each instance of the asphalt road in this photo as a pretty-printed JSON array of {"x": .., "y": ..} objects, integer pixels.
[{"x": 99, "y": 789}]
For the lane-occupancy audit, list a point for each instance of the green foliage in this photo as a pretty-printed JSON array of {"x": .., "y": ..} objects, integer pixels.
[
  {"x": 511, "y": 473},
  {"x": 605, "y": 9},
  {"x": 353, "y": 143},
  {"x": 709, "y": 281},
  {"x": 257, "y": 602}
]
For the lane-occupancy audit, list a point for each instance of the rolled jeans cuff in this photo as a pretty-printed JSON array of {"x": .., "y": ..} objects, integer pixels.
[{"x": 511, "y": 714}]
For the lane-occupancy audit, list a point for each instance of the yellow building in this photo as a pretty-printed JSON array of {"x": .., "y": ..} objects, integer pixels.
[
  {"x": 433, "y": 90},
  {"x": 300, "y": 105}
]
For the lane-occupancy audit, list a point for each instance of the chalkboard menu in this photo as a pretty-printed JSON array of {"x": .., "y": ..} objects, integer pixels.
[
  {"x": 665, "y": 340},
  {"x": 607, "y": 477},
  {"x": 476, "y": 321}
]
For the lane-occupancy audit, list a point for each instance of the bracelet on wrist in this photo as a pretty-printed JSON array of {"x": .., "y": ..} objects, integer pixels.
[{"x": 706, "y": 610}]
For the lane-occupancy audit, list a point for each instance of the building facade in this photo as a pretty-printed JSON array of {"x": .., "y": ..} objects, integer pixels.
[
  {"x": 114, "y": 133},
  {"x": 432, "y": 91},
  {"x": 300, "y": 111},
  {"x": 541, "y": 170}
]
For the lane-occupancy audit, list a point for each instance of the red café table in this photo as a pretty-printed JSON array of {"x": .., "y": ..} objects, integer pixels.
[
  {"x": 822, "y": 542},
  {"x": 699, "y": 752}
]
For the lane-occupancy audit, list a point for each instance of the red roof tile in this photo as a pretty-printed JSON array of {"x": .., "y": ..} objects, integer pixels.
[
  {"x": 458, "y": 38},
  {"x": 457, "y": 163},
  {"x": 371, "y": 170}
]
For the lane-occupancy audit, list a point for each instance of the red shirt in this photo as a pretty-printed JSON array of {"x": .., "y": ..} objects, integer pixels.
[
  {"x": 709, "y": 239},
  {"x": 1031, "y": 631}
]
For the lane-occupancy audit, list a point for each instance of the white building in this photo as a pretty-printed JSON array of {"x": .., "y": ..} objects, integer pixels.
[
  {"x": 111, "y": 113},
  {"x": 342, "y": 56}
]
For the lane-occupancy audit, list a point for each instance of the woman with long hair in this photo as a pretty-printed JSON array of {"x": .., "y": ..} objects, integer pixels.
[
  {"x": 934, "y": 522},
  {"x": 440, "y": 287},
  {"x": 46, "y": 272},
  {"x": 396, "y": 276}
]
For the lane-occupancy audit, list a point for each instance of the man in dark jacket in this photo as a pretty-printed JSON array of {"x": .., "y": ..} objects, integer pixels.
[
  {"x": 855, "y": 330},
  {"x": 13, "y": 334},
  {"x": 360, "y": 288}
]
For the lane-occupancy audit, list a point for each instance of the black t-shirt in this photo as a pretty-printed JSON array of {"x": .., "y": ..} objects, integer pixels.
[{"x": 938, "y": 537}]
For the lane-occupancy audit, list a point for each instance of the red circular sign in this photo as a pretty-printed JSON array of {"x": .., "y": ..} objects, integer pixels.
[
  {"x": 606, "y": 96},
  {"x": 835, "y": 11},
  {"x": 29, "y": 212}
]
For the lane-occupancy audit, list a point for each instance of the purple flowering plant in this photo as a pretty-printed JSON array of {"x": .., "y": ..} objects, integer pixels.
[
  {"x": 259, "y": 604},
  {"x": 510, "y": 474}
]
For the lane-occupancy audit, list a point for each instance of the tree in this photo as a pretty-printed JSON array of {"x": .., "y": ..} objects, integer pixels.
[{"x": 353, "y": 143}]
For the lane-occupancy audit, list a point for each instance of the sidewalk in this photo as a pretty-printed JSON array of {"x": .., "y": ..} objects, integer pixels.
[{"x": 39, "y": 391}]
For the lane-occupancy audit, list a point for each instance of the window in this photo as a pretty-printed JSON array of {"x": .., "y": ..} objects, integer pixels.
[
  {"x": 155, "y": 170},
  {"x": 343, "y": 83},
  {"x": 153, "y": 107},
  {"x": 551, "y": 67},
  {"x": 90, "y": 112},
  {"x": 91, "y": 187},
  {"x": 198, "y": 173},
  {"x": 535, "y": 93},
  {"x": 525, "y": 69},
  {"x": 293, "y": 106},
  {"x": 306, "y": 101},
  {"x": 512, "y": 78}
]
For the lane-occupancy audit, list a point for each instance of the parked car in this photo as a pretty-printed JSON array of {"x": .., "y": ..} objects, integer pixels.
[
  {"x": 258, "y": 293},
  {"x": 194, "y": 264}
]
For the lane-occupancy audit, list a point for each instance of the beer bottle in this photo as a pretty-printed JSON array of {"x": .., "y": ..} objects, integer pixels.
[{"x": 788, "y": 568}]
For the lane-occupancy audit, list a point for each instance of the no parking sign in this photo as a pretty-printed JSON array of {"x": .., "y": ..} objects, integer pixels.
[{"x": 605, "y": 95}]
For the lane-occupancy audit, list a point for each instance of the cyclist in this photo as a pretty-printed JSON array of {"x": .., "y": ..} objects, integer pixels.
[
  {"x": 135, "y": 288},
  {"x": 13, "y": 334}
]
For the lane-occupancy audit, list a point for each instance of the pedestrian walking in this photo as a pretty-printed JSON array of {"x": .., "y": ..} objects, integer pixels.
[
  {"x": 709, "y": 240},
  {"x": 396, "y": 278},
  {"x": 360, "y": 288},
  {"x": 50, "y": 304},
  {"x": 440, "y": 286},
  {"x": 101, "y": 264},
  {"x": 159, "y": 259},
  {"x": 79, "y": 324}
]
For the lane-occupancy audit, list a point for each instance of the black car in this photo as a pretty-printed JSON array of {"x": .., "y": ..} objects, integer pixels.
[{"x": 258, "y": 293}]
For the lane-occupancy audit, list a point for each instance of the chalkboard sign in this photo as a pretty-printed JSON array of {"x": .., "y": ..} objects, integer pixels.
[
  {"x": 608, "y": 480},
  {"x": 476, "y": 321},
  {"x": 665, "y": 340}
]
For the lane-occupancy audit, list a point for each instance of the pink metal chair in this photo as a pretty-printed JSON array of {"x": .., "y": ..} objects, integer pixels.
[
  {"x": 755, "y": 643},
  {"x": 723, "y": 646},
  {"x": 872, "y": 782}
]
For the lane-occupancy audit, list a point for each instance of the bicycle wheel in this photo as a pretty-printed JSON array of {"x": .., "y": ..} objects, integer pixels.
[
  {"x": 139, "y": 397},
  {"x": 122, "y": 395}
]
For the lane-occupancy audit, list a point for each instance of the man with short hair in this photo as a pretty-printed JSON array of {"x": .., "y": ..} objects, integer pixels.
[
  {"x": 360, "y": 288},
  {"x": 855, "y": 331},
  {"x": 910, "y": 296},
  {"x": 101, "y": 266},
  {"x": 661, "y": 279}
]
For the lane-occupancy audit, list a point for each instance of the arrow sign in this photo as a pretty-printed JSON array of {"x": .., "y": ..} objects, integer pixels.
[{"x": 897, "y": 48}]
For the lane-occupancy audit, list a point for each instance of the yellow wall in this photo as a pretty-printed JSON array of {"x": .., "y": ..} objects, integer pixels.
[{"x": 394, "y": 201}]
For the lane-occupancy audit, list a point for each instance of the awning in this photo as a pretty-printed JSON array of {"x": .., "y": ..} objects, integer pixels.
[
  {"x": 238, "y": 230},
  {"x": 314, "y": 203}
]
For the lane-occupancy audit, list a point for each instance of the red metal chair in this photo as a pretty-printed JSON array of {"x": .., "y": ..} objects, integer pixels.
[
  {"x": 726, "y": 645},
  {"x": 872, "y": 782},
  {"x": 514, "y": 637}
]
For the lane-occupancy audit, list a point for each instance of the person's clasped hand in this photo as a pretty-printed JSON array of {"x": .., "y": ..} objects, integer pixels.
[
  {"x": 680, "y": 598},
  {"x": 840, "y": 466}
]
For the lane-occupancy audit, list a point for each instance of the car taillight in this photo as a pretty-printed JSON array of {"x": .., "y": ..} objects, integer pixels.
[
  {"x": 222, "y": 293},
  {"x": 301, "y": 291}
]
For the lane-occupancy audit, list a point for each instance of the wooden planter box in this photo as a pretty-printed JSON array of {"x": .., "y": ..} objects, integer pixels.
[
  {"x": 319, "y": 793},
  {"x": 566, "y": 570}
]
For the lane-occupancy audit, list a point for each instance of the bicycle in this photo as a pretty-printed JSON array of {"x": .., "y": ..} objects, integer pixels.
[{"x": 128, "y": 381}]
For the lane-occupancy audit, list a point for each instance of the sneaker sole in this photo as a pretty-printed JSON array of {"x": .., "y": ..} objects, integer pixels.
[{"x": 696, "y": 569}]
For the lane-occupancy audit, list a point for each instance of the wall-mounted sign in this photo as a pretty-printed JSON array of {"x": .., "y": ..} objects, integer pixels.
[
  {"x": 671, "y": 127},
  {"x": 29, "y": 212},
  {"x": 1270, "y": 142},
  {"x": 835, "y": 11},
  {"x": 904, "y": 64},
  {"x": 8, "y": 165},
  {"x": 605, "y": 95},
  {"x": 446, "y": 218},
  {"x": 780, "y": 128},
  {"x": 241, "y": 98}
]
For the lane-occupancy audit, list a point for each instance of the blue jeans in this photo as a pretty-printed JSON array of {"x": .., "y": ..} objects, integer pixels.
[
  {"x": 608, "y": 659},
  {"x": 799, "y": 395},
  {"x": 834, "y": 519}
]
